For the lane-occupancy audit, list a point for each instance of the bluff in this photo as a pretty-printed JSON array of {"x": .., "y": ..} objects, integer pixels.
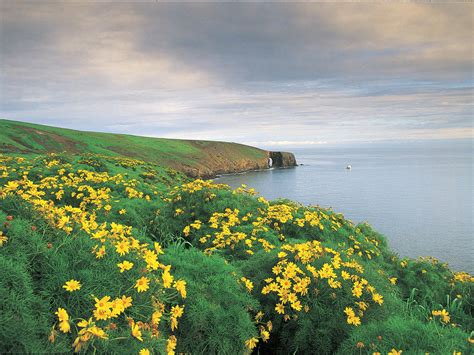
[
  {"x": 282, "y": 159},
  {"x": 195, "y": 158}
]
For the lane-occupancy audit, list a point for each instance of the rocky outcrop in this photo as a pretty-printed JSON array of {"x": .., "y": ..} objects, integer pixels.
[
  {"x": 222, "y": 163},
  {"x": 282, "y": 159},
  {"x": 221, "y": 166}
]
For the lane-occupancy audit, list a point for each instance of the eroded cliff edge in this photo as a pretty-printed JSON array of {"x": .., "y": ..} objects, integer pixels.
[
  {"x": 221, "y": 162},
  {"x": 282, "y": 159}
]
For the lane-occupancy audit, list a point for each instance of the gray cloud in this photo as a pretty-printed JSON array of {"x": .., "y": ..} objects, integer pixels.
[{"x": 241, "y": 72}]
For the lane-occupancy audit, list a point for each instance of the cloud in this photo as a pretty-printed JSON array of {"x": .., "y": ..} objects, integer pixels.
[{"x": 302, "y": 72}]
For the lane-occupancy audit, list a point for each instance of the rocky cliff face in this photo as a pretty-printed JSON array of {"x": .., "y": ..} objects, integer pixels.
[
  {"x": 221, "y": 163},
  {"x": 282, "y": 159},
  {"x": 223, "y": 166}
]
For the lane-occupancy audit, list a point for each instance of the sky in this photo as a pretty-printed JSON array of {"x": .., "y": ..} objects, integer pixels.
[{"x": 268, "y": 74}]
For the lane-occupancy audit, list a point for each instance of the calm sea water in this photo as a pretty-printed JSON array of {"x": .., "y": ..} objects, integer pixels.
[{"x": 419, "y": 195}]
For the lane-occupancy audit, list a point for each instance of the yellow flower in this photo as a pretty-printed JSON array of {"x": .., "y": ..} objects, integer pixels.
[
  {"x": 136, "y": 332},
  {"x": 100, "y": 253},
  {"x": 444, "y": 314},
  {"x": 285, "y": 283},
  {"x": 65, "y": 327},
  {"x": 156, "y": 317},
  {"x": 345, "y": 275},
  {"x": 265, "y": 335},
  {"x": 377, "y": 298},
  {"x": 177, "y": 311},
  {"x": 158, "y": 248},
  {"x": 248, "y": 284},
  {"x": 251, "y": 343},
  {"x": 280, "y": 308},
  {"x": 151, "y": 259},
  {"x": 142, "y": 284},
  {"x": 3, "y": 238},
  {"x": 63, "y": 317},
  {"x": 180, "y": 286},
  {"x": 144, "y": 352},
  {"x": 72, "y": 285},
  {"x": 167, "y": 278},
  {"x": 117, "y": 307},
  {"x": 103, "y": 303},
  {"x": 186, "y": 230},
  {"x": 334, "y": 284},
  {"x": 327, "y": 272},
  {"x": 171, "y": 345},
  {"x": 351, "y": 317},
  {"x": 122, "y": 211},
  {"x": 393, "y": 280},
  {"x": 102, "y": 313},
  {"x": 98, "y": 332},
  {"x": 125, "y": 265},
  {"x": 126, "y": 301},
  {"x": 122, "y": 247},
  {"x": 395, "y": 352},
  {"x": 296, "y": 305}
]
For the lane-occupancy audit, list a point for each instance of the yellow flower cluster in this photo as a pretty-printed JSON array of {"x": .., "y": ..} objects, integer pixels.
[
  {"x": 295, "y": 272},
  {"x": 463, "y": 277},
  {"x": 351, "y": 317},
  {"x": 88, "y": 331},
  {"x": 248, "y": 284},
  {"x": 302, "y": 268},
  {"x": 443, "y": 314},
  {"x": 87, "y": 194},
  {"x": 224, "y": 236},
  {"x": 63, "y": 318}
]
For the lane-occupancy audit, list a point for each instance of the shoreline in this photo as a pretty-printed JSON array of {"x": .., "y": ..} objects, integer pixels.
[{"x": 243, "y": 172}]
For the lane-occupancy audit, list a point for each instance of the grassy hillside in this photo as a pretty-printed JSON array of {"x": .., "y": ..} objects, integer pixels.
[
  {"x": 197, "y": 158},
  {"x": 108, "y": 254},
  {"x": 104, "y": 253}
]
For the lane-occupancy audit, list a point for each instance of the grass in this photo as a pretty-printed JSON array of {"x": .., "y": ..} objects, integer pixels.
[{"x": 189, "y": 156}]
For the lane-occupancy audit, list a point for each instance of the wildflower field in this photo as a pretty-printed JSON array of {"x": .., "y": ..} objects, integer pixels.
[{"x": 102, "y": 254}]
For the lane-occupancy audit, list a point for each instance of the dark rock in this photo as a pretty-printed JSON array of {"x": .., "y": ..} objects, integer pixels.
[{"x": 282, "y": 159}]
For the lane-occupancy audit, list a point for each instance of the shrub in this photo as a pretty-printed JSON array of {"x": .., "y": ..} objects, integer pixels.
[{"x": 217, "y": 319}]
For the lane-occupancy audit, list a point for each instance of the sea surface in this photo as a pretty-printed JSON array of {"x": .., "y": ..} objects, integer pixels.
[{"x": 419, "y": 195}]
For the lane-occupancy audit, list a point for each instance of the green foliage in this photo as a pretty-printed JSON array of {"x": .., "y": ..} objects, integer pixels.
[
  {"x": 216, "y": 318},
  {"x": 184, "y": 155},
  {"x": 24, "y": 315},
  {"x": 410, "y": 335}
]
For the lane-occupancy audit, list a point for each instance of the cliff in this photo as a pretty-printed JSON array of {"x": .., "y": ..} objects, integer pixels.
[
  {"x": 282, "y": 159},
  {"x": 192, "y": 157}
]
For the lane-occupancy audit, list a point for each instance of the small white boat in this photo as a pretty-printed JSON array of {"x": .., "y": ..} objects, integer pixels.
[{"x": 349, "y": 167}]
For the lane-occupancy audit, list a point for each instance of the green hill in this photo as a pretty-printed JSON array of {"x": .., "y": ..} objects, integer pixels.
[
  {"x": 195, "y": 158},
  {"x": 102, "y": 253}
]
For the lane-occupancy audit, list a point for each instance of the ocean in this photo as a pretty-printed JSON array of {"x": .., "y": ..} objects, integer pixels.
[{"x": 418, "y": 194}]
